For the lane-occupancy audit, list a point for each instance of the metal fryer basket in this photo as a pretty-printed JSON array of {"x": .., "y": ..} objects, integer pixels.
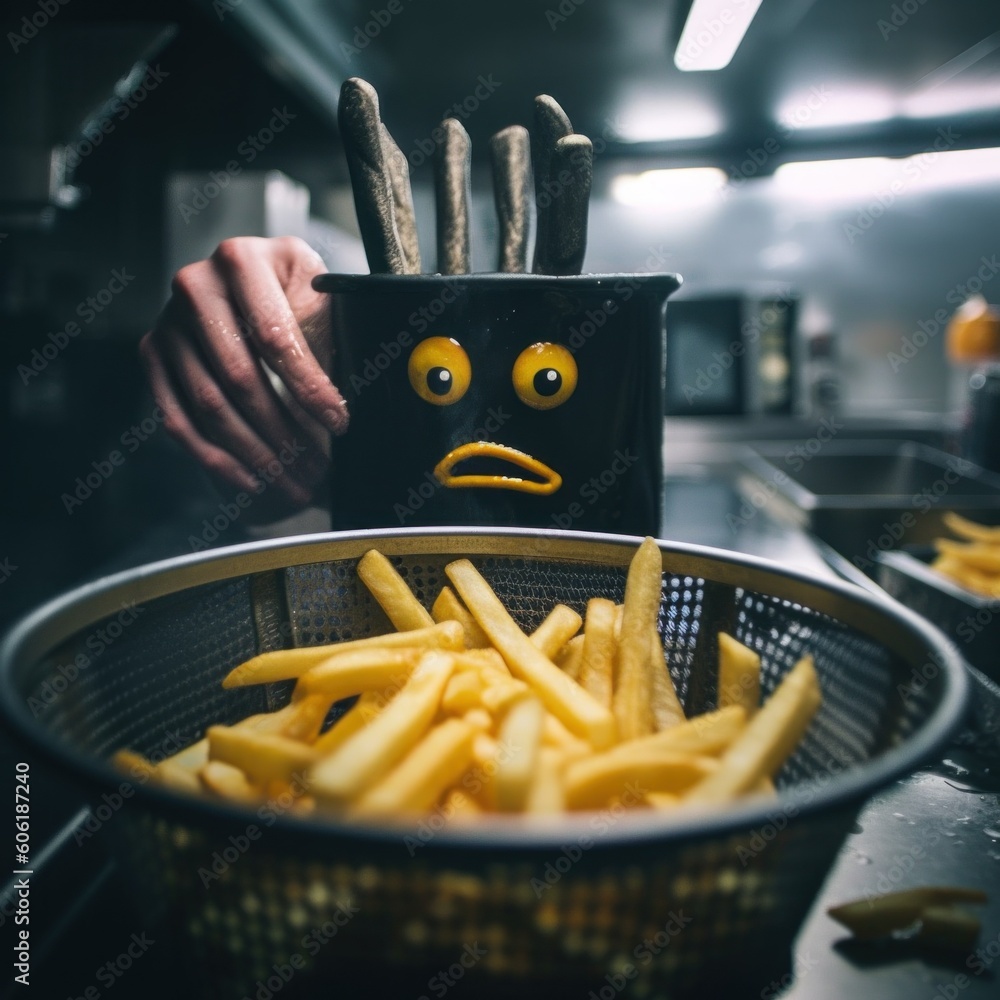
[{"x": 136, "y": 661}]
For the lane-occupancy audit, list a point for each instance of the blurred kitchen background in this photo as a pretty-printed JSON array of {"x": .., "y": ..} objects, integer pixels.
[{"x": 832, "y": 195}]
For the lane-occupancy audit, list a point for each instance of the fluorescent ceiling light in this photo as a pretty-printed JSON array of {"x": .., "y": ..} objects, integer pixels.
[
  {"x": 712, "y": 33},
  {"x": 945, "y": 101},
  {"x": 833, "y": 181},
  {"x": 831, "y": 106},
  {"x": 650, "y": 120},
  {"x": 680, "y": 188},
  {"x": 955, "y": 168}
]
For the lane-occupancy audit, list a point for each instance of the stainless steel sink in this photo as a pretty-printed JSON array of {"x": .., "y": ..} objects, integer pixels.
[{"x": 863, "y": 497}]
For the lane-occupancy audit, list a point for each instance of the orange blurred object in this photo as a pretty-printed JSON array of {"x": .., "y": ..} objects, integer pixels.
[{"x": 974, "y": 332}]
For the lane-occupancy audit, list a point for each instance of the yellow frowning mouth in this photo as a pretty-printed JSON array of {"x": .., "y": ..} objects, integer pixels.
[{"x": 445, "y": 469}]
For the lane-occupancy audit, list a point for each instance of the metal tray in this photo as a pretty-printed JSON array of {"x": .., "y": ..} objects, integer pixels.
[
  {"x": 865, "y": 497},
  {"x": 971, "y": 621}
]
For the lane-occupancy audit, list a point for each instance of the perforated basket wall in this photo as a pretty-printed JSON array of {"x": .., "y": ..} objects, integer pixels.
[{"x": 136, "y": 662}]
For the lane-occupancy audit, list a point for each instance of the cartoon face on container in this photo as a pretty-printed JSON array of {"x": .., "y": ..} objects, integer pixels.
[{"x": 499, "y": 399}]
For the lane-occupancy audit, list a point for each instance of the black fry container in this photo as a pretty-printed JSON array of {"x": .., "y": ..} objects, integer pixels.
[{"x": 599, "y": 448}]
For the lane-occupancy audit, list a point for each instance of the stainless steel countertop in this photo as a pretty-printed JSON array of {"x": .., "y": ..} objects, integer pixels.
[{"x": 940, "y": 826}]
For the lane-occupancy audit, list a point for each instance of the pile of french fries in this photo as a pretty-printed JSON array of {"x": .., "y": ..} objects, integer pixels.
[
  {"x": 973, "y": 562},
  {"x": 461, "y": 710}
]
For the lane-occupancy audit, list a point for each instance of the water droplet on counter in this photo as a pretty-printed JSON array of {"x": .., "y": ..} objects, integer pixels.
[
  {"x": 966, "y": 772},
  {"x": 857, "y": 828},
  {"x": 899, "y": 816},
  {"x": 962, "y": 819},
  {"x": 953, "y": 768},
  {"x": 992, "y": 833},
  {"x": 862, "y": 859}
]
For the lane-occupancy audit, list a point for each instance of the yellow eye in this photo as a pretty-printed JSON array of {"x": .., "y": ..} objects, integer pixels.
[
  {"x": 439, "y": 370},
  {"x": 544, "y": 376}
]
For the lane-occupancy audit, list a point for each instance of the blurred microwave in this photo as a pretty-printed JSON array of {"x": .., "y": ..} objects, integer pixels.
[{"x": 731, "y": 355}]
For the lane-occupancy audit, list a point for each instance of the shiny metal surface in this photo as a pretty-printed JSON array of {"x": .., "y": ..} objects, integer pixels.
[{"x": 864, "y": 497}]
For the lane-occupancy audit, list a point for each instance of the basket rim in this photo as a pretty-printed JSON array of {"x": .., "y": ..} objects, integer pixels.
[
  {"x": 916, "y": 570},
  {"x": 894, "y": 625}
]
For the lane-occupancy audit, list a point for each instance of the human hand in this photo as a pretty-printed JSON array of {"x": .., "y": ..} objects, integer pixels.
[{"x": 251, "y": 302}]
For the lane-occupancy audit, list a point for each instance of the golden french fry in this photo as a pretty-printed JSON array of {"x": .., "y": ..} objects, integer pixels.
[
  {"x": 496, "y": 698},
  {"x": 485, "y": 748},
  {"x": 971, "y": 530},
  {"x": 463, "y": 692},
  {"x": 632, "y": 700},
  {"x": 262, "y": 757},
  {"x": 133, "y": 764},
  {"x": 705, "y": 735},
  {"x": 570, "y": 658},
  {"x": 265, "y": 722},
  {"x": 351, "y": 673},
  {"x": 392, "y": 593},
  {"x": 288, "y": 795},
  {"x": 662, "y": 800},
  {"x": 479, "y": 718},
  {"x": 739, "y": 674},
  {"x": 770, "y": 736},
  {"x": 191, "y": 758},
  {"x": 372, "y": 751},
  {"x": 418, "y": 781},
  {"x": 764, "y": 787},
  {"x": 946, "y": 564},
  {"x": 521, "y": 732},
  {"x": 877, "y": 916},
  {"x": 169, "y": 774},
  {"x": 666, "y": 706},
  {"x": 447, "y": 607},
  {"x": 488, "y": 662},
  {"x": 981, "y": 556},
  {"x": 480, "y": 780},
  {"x": 228, "y": 782},
  {"x": 547, "y": 795},
  {"x": 591, "y": 783},
  {"x": 598, "y": 663},
  {"x": 559, "y": 626},
  {"x": 460, "y": 805},
  {"x": 555, "y": 734},
  {"x": 306, "y": 720},
  {"x": 177, "y": 772},
  {"x": 966, "y": 576},
  {"x": 560, "y": 694},
  {"x": 287, "y": 664}
]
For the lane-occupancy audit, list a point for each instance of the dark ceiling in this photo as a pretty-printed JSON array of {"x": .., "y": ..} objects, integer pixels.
[{"x": 912, "y": 66}]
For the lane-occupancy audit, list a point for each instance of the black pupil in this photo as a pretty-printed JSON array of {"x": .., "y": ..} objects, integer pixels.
[
  {"x": 439, "y": 381},
  {"x": 547, "y": 382}
]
